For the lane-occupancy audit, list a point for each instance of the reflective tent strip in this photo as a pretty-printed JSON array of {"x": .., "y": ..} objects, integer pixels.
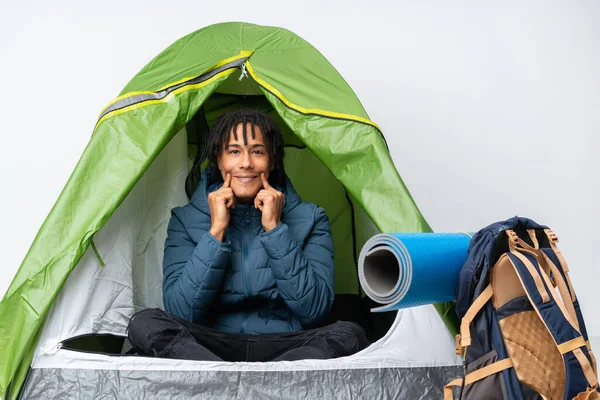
[{"x": 135, "y": 100}]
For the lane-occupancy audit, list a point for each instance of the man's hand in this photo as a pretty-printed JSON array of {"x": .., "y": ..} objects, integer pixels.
[
  {"x": 270, "y": 202},
  {"x": 219, "y": 203}
]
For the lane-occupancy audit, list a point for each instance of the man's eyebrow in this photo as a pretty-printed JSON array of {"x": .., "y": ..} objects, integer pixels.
[{"x": 239, "y": 145}]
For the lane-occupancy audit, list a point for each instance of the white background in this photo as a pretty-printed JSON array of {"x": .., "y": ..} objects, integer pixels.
[{"x": 490, "y": 109}]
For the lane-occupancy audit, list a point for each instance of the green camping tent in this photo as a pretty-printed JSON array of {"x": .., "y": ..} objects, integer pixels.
[{"x": 335, "y": 155}]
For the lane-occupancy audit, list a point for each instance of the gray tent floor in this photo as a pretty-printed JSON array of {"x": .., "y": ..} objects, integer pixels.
[{"x": 415, "y": 383}]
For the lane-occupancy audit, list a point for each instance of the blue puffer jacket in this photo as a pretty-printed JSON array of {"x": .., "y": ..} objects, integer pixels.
[{"x": 254, "y": 281}]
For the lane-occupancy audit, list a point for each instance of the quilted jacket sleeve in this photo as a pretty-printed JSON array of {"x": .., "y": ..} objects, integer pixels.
[
  {"x": 304, "y": 276},
  {"x": 192, "y": 273}
]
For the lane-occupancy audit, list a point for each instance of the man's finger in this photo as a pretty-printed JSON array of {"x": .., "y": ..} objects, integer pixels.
[
  {"x": 224, "y": 192},
  {"x": 258, "y": 203},
  {"x": 227, "y": 181},
  {"x": 259, "y": 197},
  {"x": 265, "y": 196},
  {"x": 259, "y": 200},
  {"x": 265, "y": 182}
]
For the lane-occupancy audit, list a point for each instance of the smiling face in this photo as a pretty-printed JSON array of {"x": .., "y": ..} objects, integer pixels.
[{"x": 245, "y": 162}]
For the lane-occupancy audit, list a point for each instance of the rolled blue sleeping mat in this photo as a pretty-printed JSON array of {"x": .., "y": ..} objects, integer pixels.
[{"x": 401, "y": 270}]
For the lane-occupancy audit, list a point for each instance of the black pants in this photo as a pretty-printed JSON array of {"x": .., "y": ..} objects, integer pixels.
[{"x": 156, "y": 333}]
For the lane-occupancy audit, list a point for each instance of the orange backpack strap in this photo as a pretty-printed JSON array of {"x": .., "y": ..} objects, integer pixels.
[
  {"x": 553, "y": 239},
  {"x": 465, "y": 324},
  {"x": 566, "y": 290},
  {"x": 477, "y": 375},
  {"x": 590, "y": 394}
]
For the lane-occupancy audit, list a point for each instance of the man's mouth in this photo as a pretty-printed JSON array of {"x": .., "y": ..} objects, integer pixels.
[{"x": 245, "y": 178}]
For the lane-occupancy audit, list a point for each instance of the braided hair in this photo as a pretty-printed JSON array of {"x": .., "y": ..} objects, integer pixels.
[{"x": 228, "y": 122}]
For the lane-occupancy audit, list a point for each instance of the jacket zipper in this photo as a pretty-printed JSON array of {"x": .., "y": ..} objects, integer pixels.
[{"x": 245, "y": 269}]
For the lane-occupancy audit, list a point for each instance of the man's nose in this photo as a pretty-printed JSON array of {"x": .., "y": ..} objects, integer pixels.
[{"x": 246, "y": 160}]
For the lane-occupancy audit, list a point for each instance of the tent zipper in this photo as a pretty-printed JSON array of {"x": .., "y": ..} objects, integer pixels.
[{"x": 244, "y": 73}]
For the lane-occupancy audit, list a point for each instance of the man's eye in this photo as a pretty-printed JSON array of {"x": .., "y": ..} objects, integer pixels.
[
  {"x": 258, "y": 152},
  {"x": 234, "y": 151}
]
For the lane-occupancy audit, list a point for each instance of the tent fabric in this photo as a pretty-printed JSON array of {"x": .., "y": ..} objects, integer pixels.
[
  {"x": 310, "y": 97},
  {"x": 399, "y": 348},
  {"x": 131, "y": 245}
]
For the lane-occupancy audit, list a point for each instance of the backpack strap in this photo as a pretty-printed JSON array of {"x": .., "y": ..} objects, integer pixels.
[
  {"x": 513, "y": 241},
  {"x": 553, "y": 239},
  {"x": 467, "y": 320},
  {"x": 566, "y": 290},
  {"x": 590, "y": 394},
  {"x": 565, "y": 287},
  {"x": 542, "y": 260},
  {"x": 477, "y": 375}
]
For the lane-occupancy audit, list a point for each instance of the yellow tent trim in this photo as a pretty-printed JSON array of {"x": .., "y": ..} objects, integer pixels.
[
  {"x": 166, "y": 98},
  {"x": 303, "y": 110}
]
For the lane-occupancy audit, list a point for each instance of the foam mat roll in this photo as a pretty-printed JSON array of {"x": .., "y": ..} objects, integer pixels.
[{"x": 401, "y": 270}]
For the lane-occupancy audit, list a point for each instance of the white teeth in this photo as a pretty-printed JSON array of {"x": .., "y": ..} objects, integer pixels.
[{"x": 245, "y": 180}]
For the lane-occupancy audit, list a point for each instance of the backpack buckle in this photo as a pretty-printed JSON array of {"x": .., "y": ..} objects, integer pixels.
[
  {"x": 458, "y": 349},
  {"x": 512, "y": 236},
  {"x": 551, "y": 236}
]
